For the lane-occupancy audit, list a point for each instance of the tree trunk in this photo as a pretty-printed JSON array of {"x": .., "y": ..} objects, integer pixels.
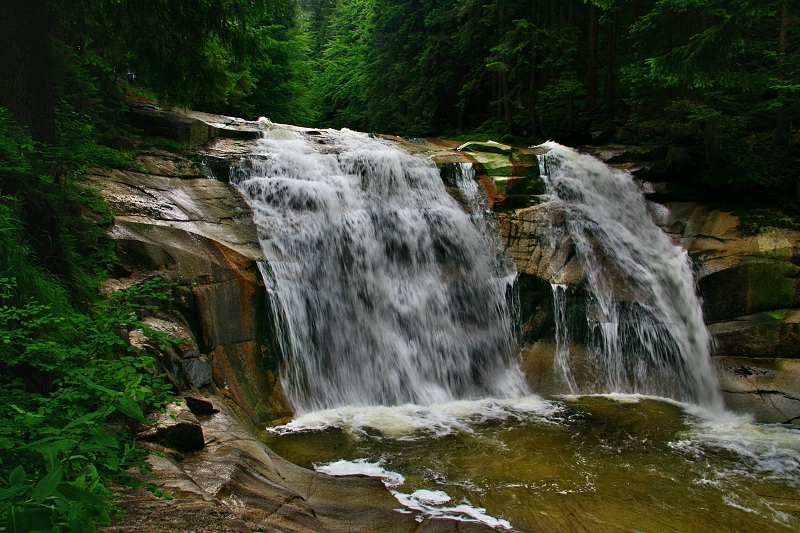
[
  {"x": 570, "y": 104},
  {"x": 25, "y": 70},
  {"x": 591, "y": 75},
  {"x": 781, "y": 126},
  {"x": 533, "y": 99},
  {"x": 506, "y": 96},
  {"x": 611, "y": 68},
  {"x": 498, "y": 92}
]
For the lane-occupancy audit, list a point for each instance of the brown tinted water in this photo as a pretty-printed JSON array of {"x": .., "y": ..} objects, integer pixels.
[{"x": 585, "y": 464}]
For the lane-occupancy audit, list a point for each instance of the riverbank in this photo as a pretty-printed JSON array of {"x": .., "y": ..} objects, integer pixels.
[{"x": 175, "y": 213}]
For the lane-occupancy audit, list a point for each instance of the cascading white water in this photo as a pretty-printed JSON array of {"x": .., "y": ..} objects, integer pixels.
[
  {"x": 644, "y": 323},
  {"x": 382, "y": 288}
]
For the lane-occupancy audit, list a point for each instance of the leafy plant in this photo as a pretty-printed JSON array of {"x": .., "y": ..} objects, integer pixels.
[{"x": 76, "y": 391}]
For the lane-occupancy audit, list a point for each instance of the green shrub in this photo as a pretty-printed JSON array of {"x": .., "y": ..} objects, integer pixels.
[{"x": 75, "y": 391}]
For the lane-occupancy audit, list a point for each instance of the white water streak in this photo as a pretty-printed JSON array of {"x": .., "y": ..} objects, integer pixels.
[
  {"x": 384, "y": 291},
  {"x": 644, "y": 320}
]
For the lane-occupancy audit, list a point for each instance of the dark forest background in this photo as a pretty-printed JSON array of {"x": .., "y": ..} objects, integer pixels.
[
  {"x": 719, "y": 79},
  {"x": 719, "y": 76}
]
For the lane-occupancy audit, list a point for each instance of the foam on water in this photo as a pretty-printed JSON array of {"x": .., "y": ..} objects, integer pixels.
[
  {"x": 426, "y": 502},
  {"x": 411, "y": 421},
  {"x": 361, "y": 467},
  {"x": 765, "y": 451},
  {"x": 768, "y": 451}
]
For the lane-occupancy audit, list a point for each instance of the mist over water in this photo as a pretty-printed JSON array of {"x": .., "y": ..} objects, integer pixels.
[
  {"x": 384, "y": 291},
  {"x": 644, "y": 324}
]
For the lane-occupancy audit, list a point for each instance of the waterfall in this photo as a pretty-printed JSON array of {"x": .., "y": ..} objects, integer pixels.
[
  {"x": 383, "y": 290},
  {"x": 643, "y": 321}
]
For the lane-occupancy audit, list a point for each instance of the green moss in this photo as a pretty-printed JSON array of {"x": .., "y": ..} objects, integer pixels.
[
  {"x": 528, "y": 158},
  {"x": 486, "y": 147},
  {"x": 170, "y": 145},
  {"x": 494, "y": 164},
  {"x": 777, "y": 315},
  {"x": 772, "y": 285}
]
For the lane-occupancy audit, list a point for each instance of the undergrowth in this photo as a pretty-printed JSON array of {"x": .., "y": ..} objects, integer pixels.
[{"x": 73, "y": 389}]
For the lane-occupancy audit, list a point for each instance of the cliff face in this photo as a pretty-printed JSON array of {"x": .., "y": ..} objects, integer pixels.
[
  {"x": 171, "y": 220},
  {"x": 747, "y": 277}
]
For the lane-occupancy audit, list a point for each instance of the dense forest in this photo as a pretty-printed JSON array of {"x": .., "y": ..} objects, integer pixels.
[{"x": 719, "y": 77}]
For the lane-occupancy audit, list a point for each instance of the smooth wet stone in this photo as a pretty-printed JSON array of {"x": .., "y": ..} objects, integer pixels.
[
  {"x": 769, "y": 389},
  {"x": 179, "y": 428},
  {"x": 198, "y": 371},
  {"x": 236, "y": 483},
  {"x": 772, "y": 334},
  {"x": 200, "y": 406}
]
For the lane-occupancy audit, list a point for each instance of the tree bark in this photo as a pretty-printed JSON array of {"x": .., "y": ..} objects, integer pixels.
[
  {"x": 506, "y": 95},
  {"x": 533, "y": 98},
  {"x": 611, "y": 67},
  {"x": 783, "y": 45},
  {"x": 591, "y": 75},
  {"x": 25, "y": 69}
]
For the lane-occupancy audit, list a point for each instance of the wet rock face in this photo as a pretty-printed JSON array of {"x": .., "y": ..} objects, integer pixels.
[
  {"x": 750, "y": 286},
  {"x": 178, "y": 428},
  {"x": 749, "y": 281},
  {"x": 772, "y": 334},
  {"x": 769, "y": 388},
  {"x": 171, "y": 220}
]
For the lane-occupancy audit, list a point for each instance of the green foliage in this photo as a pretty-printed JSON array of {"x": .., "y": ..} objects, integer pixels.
[
  {"x": 51, "y": 230},
  {"x": 73, "y": 388},
  {"x": 282, "y": 91},
  {"x": 718, "y": 76},
  {"x": 72, "y": 385},
  {"x": 183, "y": 51},
  {"x": 341, "y": 82}
]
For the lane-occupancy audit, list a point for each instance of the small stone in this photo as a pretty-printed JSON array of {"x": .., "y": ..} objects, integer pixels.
[
  {"x": 197, "y": 371},
  {"x": 149, "y": 434},
  {"x": 179, "y": 428},
  {"x": 200, "y": 406}
]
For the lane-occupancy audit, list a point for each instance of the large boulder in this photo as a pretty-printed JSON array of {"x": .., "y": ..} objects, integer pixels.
[
  {"x": 179, "y": 428},
  {"x": 190, "y": 127},
  {"x": 767, "y": 388},
  {"x": 773, "y": 334}
]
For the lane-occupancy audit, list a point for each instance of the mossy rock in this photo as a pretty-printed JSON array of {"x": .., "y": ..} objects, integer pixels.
[
  {"x": 761, "y": 285},
  {"x": 494, "y": 164},
  {"x": 514, "y": 201},
  {"x": 516, "y": 185},
  {"x": 530, "y": 171},
  {"x": 486, "y": 147},
  {"x": 528, "y": 157}
]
